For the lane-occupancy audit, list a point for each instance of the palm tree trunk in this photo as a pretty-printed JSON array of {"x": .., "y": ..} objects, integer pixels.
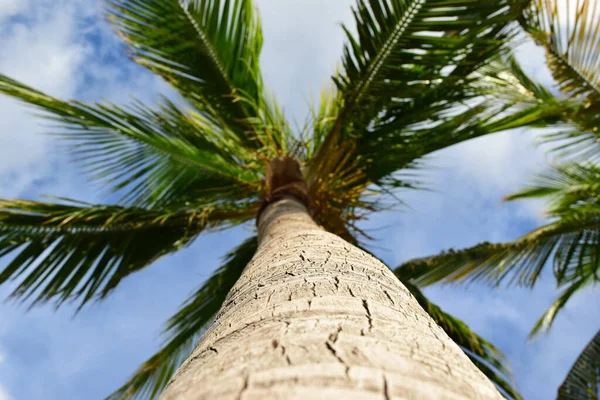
[{"x": 314, "y": 317}]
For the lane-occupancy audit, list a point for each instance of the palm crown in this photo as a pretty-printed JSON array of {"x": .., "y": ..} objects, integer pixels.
[{"x": 417, "y": 76}]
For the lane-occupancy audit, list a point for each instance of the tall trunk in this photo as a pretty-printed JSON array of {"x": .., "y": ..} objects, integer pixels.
[{"x": 314, "y": 317}]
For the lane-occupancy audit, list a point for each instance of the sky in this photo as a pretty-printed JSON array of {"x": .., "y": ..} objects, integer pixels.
[{"x": 65, "y": 47}]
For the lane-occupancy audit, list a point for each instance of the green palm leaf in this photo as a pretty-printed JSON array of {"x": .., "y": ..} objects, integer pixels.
[
  {"x": 583, "y": 380},
  {"x": 512, "y": 84},
  {"x": 545, "y": 322},
  {"x": 487, "y": 357},
  {"x": 185, "y": 327},
  {"x": 575, "y": 249},
  {"x": 571, "y": 241},
  {"x": 520, "y": 262},
  {"x": 528, "y": 103},
  {"x": 569, "y": 32},
  {"x": 403, "y": 46},
  {"x": 409, "y": 67},
  {"x": 70, "y": 250},
  {"x": 157, "y": 157},
  {"x": 208, "y": 50}
]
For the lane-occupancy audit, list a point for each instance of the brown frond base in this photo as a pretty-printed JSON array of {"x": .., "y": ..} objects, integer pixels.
[{"x": 284, "y": 179}]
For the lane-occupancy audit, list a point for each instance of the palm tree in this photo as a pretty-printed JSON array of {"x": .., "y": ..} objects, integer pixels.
[
  {"x": 582, "y": 381},
  {"x": 571, "y": 238},
  {"x": 298, "y": 308}
]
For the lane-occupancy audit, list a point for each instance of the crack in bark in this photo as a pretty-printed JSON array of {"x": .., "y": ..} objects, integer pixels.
[
  {"x": 243, "y": 387},
  {"x": 448, "y": 367},
  {"x": 369, "y": 316},
  {"x": 247, "y": 327},
  {"x": 329, "y": 254},
  {"x": 334, "y": 336},
  {"x": 287, "y": 357},
  {"x": 389, "y": 297},
  {"x": 337, "y": 356},
  {"x": 386, "y": 389}
]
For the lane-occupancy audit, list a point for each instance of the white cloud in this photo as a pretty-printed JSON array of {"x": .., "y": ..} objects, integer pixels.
[
  {"x": 8, "y": 8},
  {"x": 533, "y": 61},
  {"x": 4, "y": 394},
  {"x": 303, "y": 44},
  {"x": 42, "y": 50},
  {"x": 58, "y": 47}
]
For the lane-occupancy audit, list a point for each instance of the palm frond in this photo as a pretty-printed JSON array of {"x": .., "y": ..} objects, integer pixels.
[
  {"x": 323, "y": 115},
  {"x": 530, "y": 104},
  {"x": 157, "y": 157},
  {"x": 487, "y": 357},
  {"x": 583, "y": 380},
  {"x": 572, "y": 239},
  {"x": 410, "y": 63},
  {"x": 511, "y": 83},
  {"x": 208, "y": 50},
  {"x": 545, "y": 322},
  {"x": 567, "y": 187},
  {"x": 72, "y": 250},
  {"x": 186, "y": 326},
  {"x": 575, "y": 246},
  {"x": 402, "y": 47},
  {"x": 569, "y": 32}
]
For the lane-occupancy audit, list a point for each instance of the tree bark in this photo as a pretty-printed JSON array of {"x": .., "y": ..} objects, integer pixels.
[{"x": 314, "y": 317}]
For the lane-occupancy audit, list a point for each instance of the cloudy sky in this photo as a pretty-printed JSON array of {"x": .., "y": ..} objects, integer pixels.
[{"x": 65, "y": 48}]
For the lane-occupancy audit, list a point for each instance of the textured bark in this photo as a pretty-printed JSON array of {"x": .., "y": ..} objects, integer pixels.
[{"x": 313, "y": 317}]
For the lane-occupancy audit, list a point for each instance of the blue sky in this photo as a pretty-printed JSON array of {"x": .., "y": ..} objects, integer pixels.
[{"x": 65, "y": 48}]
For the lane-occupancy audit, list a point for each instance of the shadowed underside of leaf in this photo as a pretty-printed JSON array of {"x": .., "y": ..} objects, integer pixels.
[
  {"x": 68, "y": 251},
  {"x": 583, "y": 380},
  {"x": 185, "y": 327},
  {"x": 520, "y": 262}
]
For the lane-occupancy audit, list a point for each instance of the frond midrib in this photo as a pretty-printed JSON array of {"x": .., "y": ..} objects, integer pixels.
[
  {"x": 386, "y": 50},
  {"x": 213, "y": 55}
]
